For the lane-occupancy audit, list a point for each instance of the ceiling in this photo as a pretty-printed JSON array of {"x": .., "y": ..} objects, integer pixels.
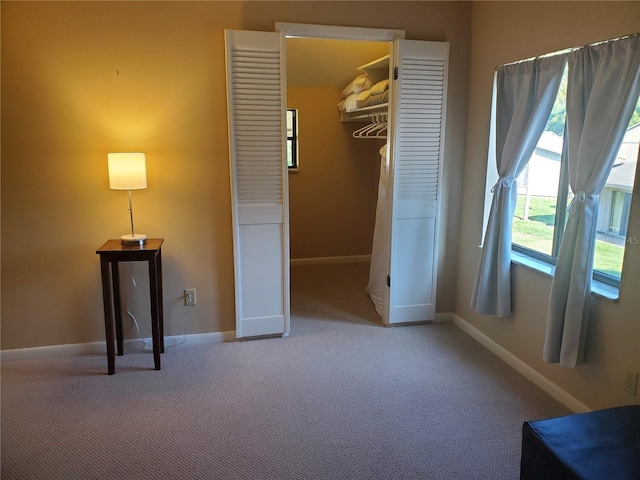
[{"x": 316, "y": 62}]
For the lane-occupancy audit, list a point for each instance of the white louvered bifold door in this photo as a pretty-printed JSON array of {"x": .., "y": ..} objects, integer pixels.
[
  {"x": 418, "y": 104},
  {"x": 256, "y": 112}
]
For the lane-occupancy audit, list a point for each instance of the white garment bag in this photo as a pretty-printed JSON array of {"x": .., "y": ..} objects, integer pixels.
[{"x": 379, "y": 252}]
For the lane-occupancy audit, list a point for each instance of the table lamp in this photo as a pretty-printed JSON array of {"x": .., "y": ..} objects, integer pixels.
[{"x": 128, "y": 171}]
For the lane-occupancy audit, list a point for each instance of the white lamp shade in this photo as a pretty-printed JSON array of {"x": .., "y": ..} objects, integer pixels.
[{"x": 127, "y": 171}]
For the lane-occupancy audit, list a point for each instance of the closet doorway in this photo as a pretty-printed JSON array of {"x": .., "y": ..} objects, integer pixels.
[
  {"x": 256, "y": 93},
  {"x": 333, "y": 195}
]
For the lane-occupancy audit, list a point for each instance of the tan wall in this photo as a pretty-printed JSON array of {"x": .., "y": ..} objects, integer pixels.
[
  {"x": 333, "y": 195},
  {"x": 505, "y": 32},
  {"x": 80, "y": 79}
]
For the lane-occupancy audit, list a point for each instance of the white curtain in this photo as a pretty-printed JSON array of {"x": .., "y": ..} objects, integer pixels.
[
  {"x": 525, "y": 93},
  {"x": 603, "y": 88}
]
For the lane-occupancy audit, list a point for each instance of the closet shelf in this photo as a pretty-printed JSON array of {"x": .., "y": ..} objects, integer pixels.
[{"x": 377, "y": 70}]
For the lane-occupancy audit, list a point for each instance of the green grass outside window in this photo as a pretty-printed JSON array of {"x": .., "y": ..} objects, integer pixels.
[{"x": 536, "y": 233}]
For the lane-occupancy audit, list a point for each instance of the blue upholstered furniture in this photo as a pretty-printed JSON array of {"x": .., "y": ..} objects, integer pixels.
[{"x": 602, "y": 445}]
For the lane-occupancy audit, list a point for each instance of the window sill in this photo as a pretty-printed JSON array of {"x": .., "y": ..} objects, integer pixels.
[{"x": 598, "y": 288}]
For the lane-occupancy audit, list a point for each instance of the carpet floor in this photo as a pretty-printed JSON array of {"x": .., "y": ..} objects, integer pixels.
[{"x": 342, "y": 398}]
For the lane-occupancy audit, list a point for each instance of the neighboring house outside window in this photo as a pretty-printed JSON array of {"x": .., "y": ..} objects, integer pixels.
[{"x": 615, "y": 199}]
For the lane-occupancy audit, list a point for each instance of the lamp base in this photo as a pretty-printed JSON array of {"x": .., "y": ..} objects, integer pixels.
[{"x": 133, "y": 240}]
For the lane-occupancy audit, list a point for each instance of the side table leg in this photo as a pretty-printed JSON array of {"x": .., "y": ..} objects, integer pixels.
[
  {"x": 117, "y": 306},
  {"x": 155, "y": 326},
  {"x": 160, "y": 301},
  {"x": 108, "y": 320}
]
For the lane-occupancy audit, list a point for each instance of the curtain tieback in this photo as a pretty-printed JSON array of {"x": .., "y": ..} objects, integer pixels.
[
  {"x": 502, "y": 182},
  {"x": 580, "y": 197}
]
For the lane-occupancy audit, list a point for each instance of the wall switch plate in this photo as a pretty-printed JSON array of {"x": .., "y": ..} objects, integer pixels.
[
  {"x": 631, "y": 382},
  {"x": 190, "y": 297}
]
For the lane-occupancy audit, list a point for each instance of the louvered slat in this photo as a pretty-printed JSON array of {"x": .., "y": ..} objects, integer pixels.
[
  {"x": 419, "y": 128},
  {"x": 257, "y": 117}
]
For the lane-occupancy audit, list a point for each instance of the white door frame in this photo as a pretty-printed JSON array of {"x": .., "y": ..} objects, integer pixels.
[
  {"x": 332, "y": 32},
  {"x": 339, "y": 33}
]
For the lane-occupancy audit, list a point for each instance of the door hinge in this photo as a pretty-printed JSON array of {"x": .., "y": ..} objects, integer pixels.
[
  {"x": 388, "y": 281},
  {"x": 395, "y": 73}
]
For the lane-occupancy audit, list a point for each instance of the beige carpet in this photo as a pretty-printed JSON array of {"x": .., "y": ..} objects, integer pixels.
[{"x": 342, "y": 398}]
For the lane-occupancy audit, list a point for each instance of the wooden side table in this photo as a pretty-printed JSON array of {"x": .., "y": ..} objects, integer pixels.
[{"x": 111, "y": 253}]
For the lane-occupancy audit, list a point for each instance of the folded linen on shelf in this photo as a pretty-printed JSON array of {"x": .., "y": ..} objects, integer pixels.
[
  {"x": 378, "y": 99},
  {"x": 357, "y": 85},
  {"x": 348, "y": 104}
]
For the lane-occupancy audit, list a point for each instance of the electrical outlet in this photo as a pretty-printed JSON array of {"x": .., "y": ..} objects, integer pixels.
[
  {"x": 190, "y": 297},
  {"x": 631, "y": 382}
]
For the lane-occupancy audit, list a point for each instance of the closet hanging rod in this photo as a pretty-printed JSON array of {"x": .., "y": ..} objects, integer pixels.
[
  {"x": 375, "y": 116},
  {"x": 365, "y": 113}
]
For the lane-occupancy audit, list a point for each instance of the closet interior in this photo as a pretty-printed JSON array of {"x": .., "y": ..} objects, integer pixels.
[{"x": 356, "y": 74}]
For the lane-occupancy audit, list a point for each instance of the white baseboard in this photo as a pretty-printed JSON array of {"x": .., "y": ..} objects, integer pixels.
[
  {"x": 132, "y": 345},
  {"x": 521, "y": 367},
  {"x": 53, "y": 351},
  {"x": 325, "y": 260}
]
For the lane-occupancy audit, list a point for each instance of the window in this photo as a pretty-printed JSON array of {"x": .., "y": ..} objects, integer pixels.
[
  {"x": 544, "y": 195},
  {"x": 292, "y": 138}
]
